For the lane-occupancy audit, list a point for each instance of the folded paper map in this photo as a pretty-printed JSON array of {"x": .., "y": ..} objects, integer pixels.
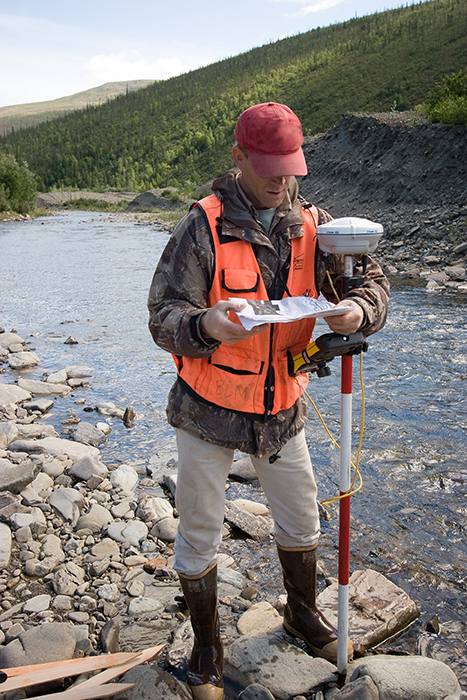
[{"x": 285, "y": 310}]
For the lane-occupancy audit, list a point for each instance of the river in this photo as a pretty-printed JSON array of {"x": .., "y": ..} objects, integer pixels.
[{"x": 86, "y": 275}]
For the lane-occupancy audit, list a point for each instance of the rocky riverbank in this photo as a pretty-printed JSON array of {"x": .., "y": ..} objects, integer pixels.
[{"x": 86, "y": 563}]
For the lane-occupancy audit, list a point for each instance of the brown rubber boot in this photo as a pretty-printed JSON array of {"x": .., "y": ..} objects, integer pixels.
[
  {"x": 205, "y": 670},
  {"x": 301, "y": 616}
]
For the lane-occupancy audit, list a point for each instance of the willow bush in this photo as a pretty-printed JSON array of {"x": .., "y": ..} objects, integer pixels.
[
  {"x": 448, "y": 102},
  {"x": 17, "y": 185}
]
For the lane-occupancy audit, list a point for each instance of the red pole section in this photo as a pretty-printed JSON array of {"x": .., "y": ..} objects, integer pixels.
[
  {"x": 346, "y": 374},
  {"x": 344, "y": 540}
]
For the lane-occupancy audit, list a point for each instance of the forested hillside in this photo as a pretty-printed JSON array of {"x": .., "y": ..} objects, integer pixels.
[{"x": 180, "y": 131}]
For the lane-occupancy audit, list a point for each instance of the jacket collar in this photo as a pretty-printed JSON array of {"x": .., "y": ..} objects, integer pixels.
[{"x": 240, "y": 216}]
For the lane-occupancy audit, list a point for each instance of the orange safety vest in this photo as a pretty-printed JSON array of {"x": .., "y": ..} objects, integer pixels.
[{"x": 238, "y": 376}]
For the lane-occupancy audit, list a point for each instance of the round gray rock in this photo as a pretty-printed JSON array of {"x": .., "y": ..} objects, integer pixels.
[
  {"x": 95, "y": 519},
  {"x": 37, "y": 604},
  {"x": 132, "y": 532},
  {"x": 67, "y": 502},
  {"x": 143, "y": 604}
]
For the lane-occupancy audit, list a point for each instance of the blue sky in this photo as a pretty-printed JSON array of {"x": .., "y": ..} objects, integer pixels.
[{"x": 53, "y": 48}]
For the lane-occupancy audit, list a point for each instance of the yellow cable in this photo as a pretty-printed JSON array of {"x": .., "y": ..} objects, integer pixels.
[
  {"x": 350, "y": 492},
  {"x": 332, "y": 285}
]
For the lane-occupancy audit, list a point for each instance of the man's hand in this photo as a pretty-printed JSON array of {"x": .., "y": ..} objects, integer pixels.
[
  {"x": 216, "y": 324},
  {"x": 349, "y": 322}
]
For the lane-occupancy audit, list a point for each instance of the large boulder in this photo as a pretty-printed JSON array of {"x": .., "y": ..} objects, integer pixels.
[
  {"x": 378, "y": 608},
  {"x": 282, "y": 668}
]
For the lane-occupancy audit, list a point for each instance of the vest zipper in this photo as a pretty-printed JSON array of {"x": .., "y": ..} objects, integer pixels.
[{"x": 269, "y": 385}]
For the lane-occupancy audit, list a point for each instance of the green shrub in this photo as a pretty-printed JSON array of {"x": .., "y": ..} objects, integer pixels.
[
  {"x": 88, "y": 204},
  {"x": 3, "y": 198},
  {"x": 448, "y": 102},
  {"x": 17, "y": 185},
  {"x": 174, "y": 197},
  {"x": 171, "y": 196}
]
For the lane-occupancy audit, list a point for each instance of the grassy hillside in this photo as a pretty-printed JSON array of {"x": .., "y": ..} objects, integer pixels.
[
  {"x": 180, "y": 130},
  {"x": 33, "y": 113}
]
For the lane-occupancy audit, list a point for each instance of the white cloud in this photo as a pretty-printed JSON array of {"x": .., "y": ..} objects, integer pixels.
[
  {"x": 129, "y": 65},
  {"x": 309, "y": 8},
  {"x": 321, "y": 6}
]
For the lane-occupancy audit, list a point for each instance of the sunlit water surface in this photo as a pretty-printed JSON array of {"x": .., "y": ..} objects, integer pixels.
[{"x": 80, "y": 274}]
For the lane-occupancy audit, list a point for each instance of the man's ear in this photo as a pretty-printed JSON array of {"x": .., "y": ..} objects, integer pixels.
[{"x": 238, "y": 156}]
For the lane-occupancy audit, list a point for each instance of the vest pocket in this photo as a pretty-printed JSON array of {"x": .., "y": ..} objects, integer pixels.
[
  {"x": 235, "y": 363},
  {"x": 240, "y": 281}
]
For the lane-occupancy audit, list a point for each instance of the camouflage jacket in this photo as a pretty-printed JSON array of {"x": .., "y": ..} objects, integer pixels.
[{"x": 178, "y": 298}]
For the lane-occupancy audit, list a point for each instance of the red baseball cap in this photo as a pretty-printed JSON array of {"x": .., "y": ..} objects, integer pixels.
[{"x": 272, "y": 135}]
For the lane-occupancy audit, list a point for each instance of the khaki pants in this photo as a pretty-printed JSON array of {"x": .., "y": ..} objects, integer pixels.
[{"x": 203, "y": 469}]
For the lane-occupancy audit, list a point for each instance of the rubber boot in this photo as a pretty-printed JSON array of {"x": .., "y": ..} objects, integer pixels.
[
  {"x": 301, "y": 616},
  {"x": 205, "y": 670}
]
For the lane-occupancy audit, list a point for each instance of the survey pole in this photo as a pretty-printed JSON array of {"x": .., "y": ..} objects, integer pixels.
[{"x": 348, "y": 236}]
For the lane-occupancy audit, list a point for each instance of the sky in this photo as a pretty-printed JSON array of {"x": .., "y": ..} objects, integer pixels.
[{"x": 54, "y": 48}]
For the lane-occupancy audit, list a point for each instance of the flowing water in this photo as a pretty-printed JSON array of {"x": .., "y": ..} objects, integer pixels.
[{"x": 84, "y": 275}]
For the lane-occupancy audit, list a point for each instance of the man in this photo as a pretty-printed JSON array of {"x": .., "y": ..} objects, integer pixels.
[{"x": 255, "y": 237}]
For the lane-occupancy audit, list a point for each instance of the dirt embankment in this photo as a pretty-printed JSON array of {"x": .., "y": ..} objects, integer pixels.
[
  {"x": 407, "y": 174},
  {"x": 388, "y": 159}
]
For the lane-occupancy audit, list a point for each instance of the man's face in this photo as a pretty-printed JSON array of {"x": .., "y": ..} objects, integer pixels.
[{"x": 263, "y": 192}]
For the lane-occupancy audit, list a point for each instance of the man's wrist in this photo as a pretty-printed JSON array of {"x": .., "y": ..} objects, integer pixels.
[
  {"x": 361, "y": 306},
  {"x": 199, "y": 333}
]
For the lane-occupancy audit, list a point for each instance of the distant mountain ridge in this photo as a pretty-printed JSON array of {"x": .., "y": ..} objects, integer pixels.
[{"x": 33, "y": 113}]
